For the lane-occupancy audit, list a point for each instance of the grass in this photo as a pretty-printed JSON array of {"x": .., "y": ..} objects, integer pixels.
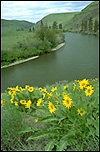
[
  {"x": 12, "y": 121},
  {"x": 18, "y": 45},
  {"x": 10, "y": 25},
  {"x": 92, "y": 10},
  {"x": 72, "y": 21},
  {"x": 10, "y": 39},
  {"x": 18, "y": 123},
  {"x": 63, "y": 18}
]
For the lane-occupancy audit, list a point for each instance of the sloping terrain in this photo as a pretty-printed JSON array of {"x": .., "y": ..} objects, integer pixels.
[
  {"x": 60, "y": 18},
  {"x": 73, "y": 20},
  {"x": 15, "y": 24},
  {"x": 92, "y": 10}
]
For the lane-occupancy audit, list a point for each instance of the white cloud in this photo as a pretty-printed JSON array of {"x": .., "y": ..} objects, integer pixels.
[{"x": 33, "y": 11}]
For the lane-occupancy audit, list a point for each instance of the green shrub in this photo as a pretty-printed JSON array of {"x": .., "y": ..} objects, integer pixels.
[
  {"x": 12, "y": 120},
  {"x": 66, "y": 114}
]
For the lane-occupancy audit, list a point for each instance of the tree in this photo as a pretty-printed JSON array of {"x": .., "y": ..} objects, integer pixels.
[
  {"x": 85, "y": 25},
  {"x": 33, "y": 29},
  {"x": 29, "y": 29},
  {"x": 82, "y": 26},
  {"x": 90, "y": 24},
  {"x": 60, "y": 26},
  {"x": 49, "y": 27},
  {"x": 41, "y": 23},
  {"x": 54, "y": 25},
  {"x": 96, "y": 27}
]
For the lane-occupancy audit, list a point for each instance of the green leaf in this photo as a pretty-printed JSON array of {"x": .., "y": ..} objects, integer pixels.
[
  {"x": 48, "y": 120},
  {"x": 42, "y": 135},
  {"x": 54, "y": 128},
  {"x": 45, "y": 112},
  {"x": 61, "y": 119},
  {"x": 50, "y": 145},
  {"x": 62, "y": 145},
  {"x": 69, "y": 134},
  {"x": 28, "y": 130}
]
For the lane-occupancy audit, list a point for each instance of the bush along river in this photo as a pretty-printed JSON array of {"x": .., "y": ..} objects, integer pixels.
[{"x": 77, "y": 59}]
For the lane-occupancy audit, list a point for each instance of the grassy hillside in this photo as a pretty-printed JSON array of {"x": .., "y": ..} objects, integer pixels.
[
  {"x": 15, "y": 25},
  {"x": 58, "y": 17},
  {"x": 92, "y": 10},
  {"x": 73, "y": 21},
  {"x": 13, "y": 31}
]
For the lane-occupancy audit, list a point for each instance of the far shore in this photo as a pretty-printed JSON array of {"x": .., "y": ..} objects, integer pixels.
[{"x": 34, "y": 57}]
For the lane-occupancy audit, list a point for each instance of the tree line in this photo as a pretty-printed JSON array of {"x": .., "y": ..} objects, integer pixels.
[
  {"x": 41, "y": 41},
  {"x": 88, "y": 25},
  {"x": 55, "y": 25}
]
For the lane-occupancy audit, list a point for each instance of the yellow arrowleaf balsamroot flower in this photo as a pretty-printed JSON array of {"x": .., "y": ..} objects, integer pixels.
[
  {"x": 49, "y": 95},
  {"x": 57, "y": 102},
  {"x": 22, "y": 89},
  {"x": 17, "y": 88},
  {"x": 81, "y": 111},
  {"x": 9, "y": 93},
  {"x": 16, "y": 104},
  {"x": 41, "y": 90},
  {"x": 89, "y": 90},
  {"x": 65, "y": 87},
  {"x": 31, "y": 89},
  {"x": 23, "y": 101},
  {"x": 64, "y": 94},
  {"x": 11, "y": 100},
  {"x": 14, "y": 92},
  {"x": 51, "y": 107},
  {"x": 67, "y": 102},
  {"x": 36, "y": 120},
  {"x": 43, "y": 95},
  {"x": 2, "y": 102},
  {"x": 83, "y": 83},
  {"x": 53, "y": 89},
  {"x": 96, "y": 79},
  {"x": 45, "y": 90},
  {"x": 74, "y": 86},
  {"x": 26, "y": 86},
  {"x": 28, "y": 104},
  {"x": 39, "y": 101},
  {"x": 12, "y": 97}
]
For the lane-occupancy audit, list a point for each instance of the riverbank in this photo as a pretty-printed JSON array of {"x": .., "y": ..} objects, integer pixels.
[
  {"x": 31, "y": 58},
  {"x": 81, "y": 32},
  {"x": 58, "y": 47}
]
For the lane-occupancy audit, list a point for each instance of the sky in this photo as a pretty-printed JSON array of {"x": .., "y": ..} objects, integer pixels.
[{"x": 33, "y": 11}]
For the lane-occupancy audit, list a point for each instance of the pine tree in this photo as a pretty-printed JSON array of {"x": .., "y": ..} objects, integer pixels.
[
  {"x": 96, "y": 27},
  {"x": 29, "y": 29},
  {"x": 60, "y": 26},
  {"x": 41, "y": 23},
  {"x": 54, "y": 25},
  {"x": 33, "y": 29},
  {"x": 85, "y": 25},
  {"x": 90, "y": 24},
  {"x": 49, "y": 27},
  {"x": 82, "y": 26}
]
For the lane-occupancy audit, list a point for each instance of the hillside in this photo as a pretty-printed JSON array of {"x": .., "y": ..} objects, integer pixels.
[
  {"x": 15, "y": 24},
  {"x": 92, "y": 10},
  {"x": 58, "y": 17},
  {"x": 73, "y": 21}
]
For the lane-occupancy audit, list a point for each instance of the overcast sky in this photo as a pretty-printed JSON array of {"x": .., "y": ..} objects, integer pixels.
[{"x": 33, "y": 11}]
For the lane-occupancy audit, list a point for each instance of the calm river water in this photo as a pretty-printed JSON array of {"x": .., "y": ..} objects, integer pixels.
[{"x": 77, "y": 59}]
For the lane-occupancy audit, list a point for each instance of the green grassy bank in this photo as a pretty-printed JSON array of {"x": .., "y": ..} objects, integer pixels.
[
  {"x": 19, "y": 45},
  {"x": 57, "y": 117}
]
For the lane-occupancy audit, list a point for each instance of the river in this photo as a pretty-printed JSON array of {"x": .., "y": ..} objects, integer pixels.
[{"x": 77, "y": 59}]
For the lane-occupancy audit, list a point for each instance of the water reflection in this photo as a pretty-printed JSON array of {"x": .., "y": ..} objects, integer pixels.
[{"x": 76, "y": 60}]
